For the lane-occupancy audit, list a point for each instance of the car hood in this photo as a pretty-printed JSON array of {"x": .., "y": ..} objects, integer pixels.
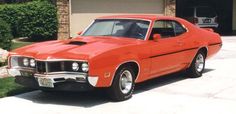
[{"x": 78, "y": 48}]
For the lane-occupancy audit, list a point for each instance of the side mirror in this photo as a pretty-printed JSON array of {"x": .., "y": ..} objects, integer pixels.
[
  {"x": 79, "y": 33},
  {"x": 156, "y": 37}
]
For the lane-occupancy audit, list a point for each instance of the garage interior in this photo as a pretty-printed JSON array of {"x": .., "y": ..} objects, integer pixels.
[
  {"x": 224, "y": 9},
  {"x": 84, "y": 12}
]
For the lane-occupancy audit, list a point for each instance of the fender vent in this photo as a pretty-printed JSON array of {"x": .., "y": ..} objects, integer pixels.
[{"x": 77, "y": 43}]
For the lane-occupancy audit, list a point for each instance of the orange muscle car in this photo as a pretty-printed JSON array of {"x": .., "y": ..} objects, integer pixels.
[{"x": 115, "y": 52}]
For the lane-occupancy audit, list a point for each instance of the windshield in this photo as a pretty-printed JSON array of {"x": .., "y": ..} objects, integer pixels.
[{"x": 119, "y": 28}]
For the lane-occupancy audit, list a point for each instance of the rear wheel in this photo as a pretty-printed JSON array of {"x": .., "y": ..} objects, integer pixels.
[
  {"x": 198, "y": 65},
  {"x": 123, "y": 84}
]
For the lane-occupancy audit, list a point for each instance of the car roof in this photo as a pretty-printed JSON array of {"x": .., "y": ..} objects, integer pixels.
[{"x": 141, "y": 17}]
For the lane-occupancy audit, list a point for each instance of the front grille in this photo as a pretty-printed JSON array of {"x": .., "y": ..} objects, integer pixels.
[
  {"x": 43, "y": 67},
  {"x": 60, "y": 66}
]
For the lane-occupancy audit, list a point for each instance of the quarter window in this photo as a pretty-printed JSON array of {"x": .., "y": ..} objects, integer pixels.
[{"x": 179, "y": 29}]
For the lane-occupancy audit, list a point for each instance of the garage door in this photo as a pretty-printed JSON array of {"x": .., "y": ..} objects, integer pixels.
[{"x": 83, "y": 12}]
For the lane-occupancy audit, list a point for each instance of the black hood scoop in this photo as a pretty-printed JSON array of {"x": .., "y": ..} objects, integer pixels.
[{"x": 79, "y": 43}]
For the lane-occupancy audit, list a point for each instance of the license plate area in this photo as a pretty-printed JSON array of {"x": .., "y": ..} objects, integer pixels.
[
  {"x": 206, "y": 20},
  {"x": 45, "y": 82}
]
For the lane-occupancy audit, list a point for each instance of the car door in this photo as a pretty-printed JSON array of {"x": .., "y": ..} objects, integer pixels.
[{"x": 166, "y": 52}]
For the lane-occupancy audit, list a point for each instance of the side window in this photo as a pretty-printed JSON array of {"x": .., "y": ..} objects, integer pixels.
[
  {"x": 179, "y": 29},
  {"x": 164, "y": 28},
  {"x": 167, "y": 28}
]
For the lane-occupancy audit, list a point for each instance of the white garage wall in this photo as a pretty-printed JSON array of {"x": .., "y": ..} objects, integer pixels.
[
  {"x": 83, "y": 12},
  {"x": 234, "y": 15}
]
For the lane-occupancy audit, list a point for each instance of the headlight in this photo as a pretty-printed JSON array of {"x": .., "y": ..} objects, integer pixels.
[
  {"x": 32, "y": 63},
  {"x": 26, "y": 62},
  {"x": 85, "y": 67},
  {"x": 13, "y": 61},
  {"x": 75, "y": 66}
]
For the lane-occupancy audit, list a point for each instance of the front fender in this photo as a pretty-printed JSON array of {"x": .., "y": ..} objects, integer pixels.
[{"x": 104, "y": 66}]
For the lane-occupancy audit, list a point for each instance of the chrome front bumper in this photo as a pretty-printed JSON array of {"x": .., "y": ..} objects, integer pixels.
[{"x": 59, "y": 77}]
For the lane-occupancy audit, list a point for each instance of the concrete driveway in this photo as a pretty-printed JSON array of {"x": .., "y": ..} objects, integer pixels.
[{"x": 214, "y": 93}]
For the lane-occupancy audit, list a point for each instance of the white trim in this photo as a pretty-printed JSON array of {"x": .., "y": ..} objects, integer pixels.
[
  {"x": 122, "y": 64},
  {"x": 65, "y": 72},
  {"x": 93, "y": 80},
  {"x": 21, "y": 56},
  {"x": 65, "y": 76},
  {"x": 87, "y": 28},
  {"x": 197, "y": 53},
  {"x": 48, "y": 60},
  {"x": 58, "y": 60},
  {"x": 13, "y": 72}
]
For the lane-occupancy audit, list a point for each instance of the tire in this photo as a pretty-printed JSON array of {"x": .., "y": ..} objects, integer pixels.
[
  {"x": 122, "y": 90},
  {"x": 197, "y": 66}
]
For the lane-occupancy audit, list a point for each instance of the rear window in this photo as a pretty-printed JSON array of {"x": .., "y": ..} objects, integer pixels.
[
  {"x": 188, "y": 12},
  {"x": 206, "y": 12}
]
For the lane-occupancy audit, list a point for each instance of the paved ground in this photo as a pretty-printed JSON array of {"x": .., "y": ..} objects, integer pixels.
[{"x": 214, "y": 93}]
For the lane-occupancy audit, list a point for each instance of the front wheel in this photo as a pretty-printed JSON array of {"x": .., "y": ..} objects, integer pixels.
[
  {"x": 123, "y": 84},
  {"x": 198, "y": 65}
]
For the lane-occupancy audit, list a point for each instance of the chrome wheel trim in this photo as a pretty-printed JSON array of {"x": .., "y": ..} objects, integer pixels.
[
  {"x": 199, "y": 63},
  {"x": 126, "y": 82}
]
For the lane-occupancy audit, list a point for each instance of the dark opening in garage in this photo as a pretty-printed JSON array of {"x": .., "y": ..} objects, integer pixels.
[{"x": 223, "y": 8}]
